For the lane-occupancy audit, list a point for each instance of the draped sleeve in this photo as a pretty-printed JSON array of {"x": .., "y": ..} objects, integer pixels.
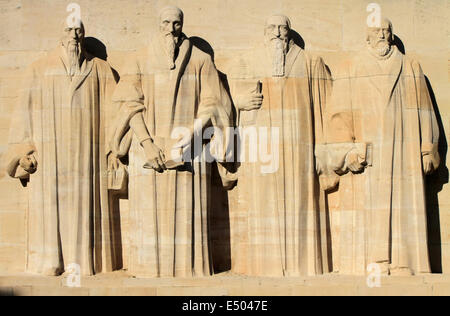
[
  {"x": 321, "y": 87},
  {"x": 215, "y": 108},
  {"x": 429, "y": 129},
  {"x": 128, "y": 99},
  {"x": 21, "y": 142}
]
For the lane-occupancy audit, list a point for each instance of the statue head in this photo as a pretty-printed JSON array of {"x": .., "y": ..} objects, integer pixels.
[
  {"x": 277, "y": 36},
  {"x": 380, "y": 39},
  {"x": 73, "y": 36},
  {"x": 278, "y": 28},
  {"x": 171, "y": 21}
]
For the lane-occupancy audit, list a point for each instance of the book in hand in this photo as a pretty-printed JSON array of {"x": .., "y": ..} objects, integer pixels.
[
  {"x": 118, "y": 178},
  {"x": 173, "y": 154}
]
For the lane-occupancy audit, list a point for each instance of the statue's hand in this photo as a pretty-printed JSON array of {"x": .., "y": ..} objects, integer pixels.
[
  {"x": 29, "y": 164},
  {"x": 155, "y": 156},
  {"x": 428, "y": 166},
  {"x": 353, "y": 162},
  {"x": 113, "y": 162},
  {"x": 250, "y": 102}
]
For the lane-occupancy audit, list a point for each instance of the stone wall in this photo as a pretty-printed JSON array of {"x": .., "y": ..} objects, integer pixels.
[{"x": 330, "y": 28}]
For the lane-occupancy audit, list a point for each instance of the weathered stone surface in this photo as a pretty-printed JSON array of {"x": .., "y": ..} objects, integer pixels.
[
  {"x": 20, "y": 285},
  {"x": 332, "y": 29}
]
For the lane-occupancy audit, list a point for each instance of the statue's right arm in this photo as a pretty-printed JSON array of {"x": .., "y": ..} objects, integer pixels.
[{"x": 21, "y": 147}]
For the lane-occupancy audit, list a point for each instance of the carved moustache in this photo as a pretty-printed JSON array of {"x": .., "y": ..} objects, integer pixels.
[
  {"x": 74, "y": 45},
  {"x": 273, "y": 38},
  {"x": 383, "y": 41}
]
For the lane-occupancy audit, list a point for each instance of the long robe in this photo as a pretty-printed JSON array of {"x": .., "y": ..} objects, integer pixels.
[
  {"x": 278, "y": 227},
  {"x": 381, "y": 217},
  {"x": 169, "y": 211},
  {"x": 63, "y": 122}
]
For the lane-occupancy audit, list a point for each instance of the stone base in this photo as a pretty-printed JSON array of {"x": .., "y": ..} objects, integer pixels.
[{"x": 120, "y": 284}]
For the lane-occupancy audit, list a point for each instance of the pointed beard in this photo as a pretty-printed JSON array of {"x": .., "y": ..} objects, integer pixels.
[
  {"x": 73, "y": 53},
  {"x": 170, "y": 46},
  {"x": 278, "y": 57}
]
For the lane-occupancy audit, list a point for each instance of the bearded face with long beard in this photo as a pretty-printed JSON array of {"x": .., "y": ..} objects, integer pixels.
[
  {"x": 380, "y": 40},
  {"x": 171, "y": 26},
  {"x": 73, "y": 44},
  {"x": 277, "y": 41},
  {"x": 170, "y": 45}
]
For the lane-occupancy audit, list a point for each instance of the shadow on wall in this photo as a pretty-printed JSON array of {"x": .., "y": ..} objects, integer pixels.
[
  {"x": 220, "y": 238},
  {"x": 203, "y": 45},
  {"x": 399, "y": 43},
  {"x": 97, "y": 49},
  {"x": 434, "y": 185},
  {"x": 298, "y": 39}
]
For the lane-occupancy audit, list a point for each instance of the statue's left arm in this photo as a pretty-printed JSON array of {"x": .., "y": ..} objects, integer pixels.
[
  {"x": 321, "y": 87},
  {"x": 215, "y": 110},
  {"x": 429, "y": 128},
  {"x": 21, "y": 161}
]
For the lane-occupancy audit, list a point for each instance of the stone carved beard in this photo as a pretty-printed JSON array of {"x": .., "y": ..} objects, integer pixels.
[
  {"x": 170, "y": 46},
  {"x": 278, "y": 49},
  {"x": 74, "y": 56},
  {"x": 382, "y": 50}
]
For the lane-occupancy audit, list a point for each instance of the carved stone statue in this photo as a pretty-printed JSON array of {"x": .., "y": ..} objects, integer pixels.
[
  {"x": 165, "y": 87},
  {"x": 280, "y": 92},
  {"x": 57, "y": 142},
  {"x": 384, "y": 132}
]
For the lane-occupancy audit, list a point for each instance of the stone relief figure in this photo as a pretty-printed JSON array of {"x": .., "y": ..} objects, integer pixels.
[
  {"x": 57, "y": 142},
  {"x": 280, "y": 92},
  {"x": 167, "y": 86},
  {"x": 382, "y": 132}
]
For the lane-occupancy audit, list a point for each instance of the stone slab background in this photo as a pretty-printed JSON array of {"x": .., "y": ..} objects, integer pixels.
[{"x": 333, "y": 29}]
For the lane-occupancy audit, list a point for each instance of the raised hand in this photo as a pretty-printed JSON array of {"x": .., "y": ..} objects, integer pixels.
[{"x": 250, "y": 102}]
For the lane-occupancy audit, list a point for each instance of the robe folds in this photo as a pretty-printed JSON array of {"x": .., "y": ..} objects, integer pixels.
[
  {"x": 63, "y": 121},
  {"x": 278, "y": 227},
  {"x": 381, "y": 214},
  {"x": 169, "y": 211}
]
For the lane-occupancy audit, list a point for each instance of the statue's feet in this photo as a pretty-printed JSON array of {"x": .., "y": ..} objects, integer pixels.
[
  {"x": 401, "y": 272},
  {"x": 53, "y": 272},
  {"x": 384, "y": 268}
]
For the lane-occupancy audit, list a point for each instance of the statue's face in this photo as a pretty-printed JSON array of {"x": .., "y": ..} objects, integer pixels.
[
  {"x": 73, "y": 36},
  {"x": 277, "y": 28},
  {"x": 380, "y": 37},
  {"x": 171, "y": 23}
]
